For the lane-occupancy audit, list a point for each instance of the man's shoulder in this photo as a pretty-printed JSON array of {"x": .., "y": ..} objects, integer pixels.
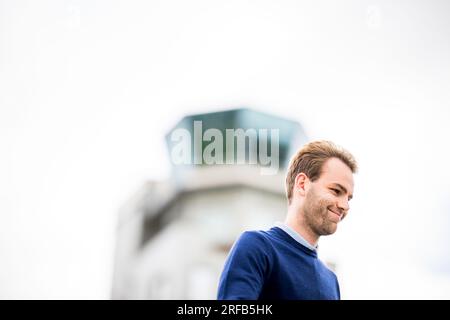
[
  {"x": 256, "y": 238},
  {"x": 257, "y": 234},
  {"x": 328, "y": 269},
  {"x": 253, "y": 243}
]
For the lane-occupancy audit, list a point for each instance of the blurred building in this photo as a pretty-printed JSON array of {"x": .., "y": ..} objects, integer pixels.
[{"x": 173, "y": 236}]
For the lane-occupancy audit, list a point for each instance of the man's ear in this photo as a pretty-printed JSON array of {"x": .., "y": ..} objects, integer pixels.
[{"x": 301, "y": 184}]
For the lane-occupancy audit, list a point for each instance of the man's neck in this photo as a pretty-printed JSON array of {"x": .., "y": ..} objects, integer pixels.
[{"x": 296, "y": 223}]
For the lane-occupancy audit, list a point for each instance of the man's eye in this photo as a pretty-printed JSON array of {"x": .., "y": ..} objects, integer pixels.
[{"x": 335, "y": 191}]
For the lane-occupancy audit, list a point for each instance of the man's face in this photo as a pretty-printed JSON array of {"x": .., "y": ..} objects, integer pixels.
[{"x": 326, "y": 199}]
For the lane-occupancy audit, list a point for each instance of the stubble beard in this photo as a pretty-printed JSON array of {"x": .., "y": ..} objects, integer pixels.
[{"x": 316, "y": 215}]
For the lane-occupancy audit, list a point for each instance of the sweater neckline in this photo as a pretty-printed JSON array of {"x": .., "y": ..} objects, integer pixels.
[
  {"x": 294, "y": 242},
  {"x": 296, "y": 236}
]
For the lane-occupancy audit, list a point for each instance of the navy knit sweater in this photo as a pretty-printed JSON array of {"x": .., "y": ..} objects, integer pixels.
[{"x": 272, "y": 265}]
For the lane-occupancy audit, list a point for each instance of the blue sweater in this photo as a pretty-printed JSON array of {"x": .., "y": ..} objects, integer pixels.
[{"x": 272, "y": 265}]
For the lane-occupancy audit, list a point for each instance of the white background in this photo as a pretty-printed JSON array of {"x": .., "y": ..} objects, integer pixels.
[{"x": 89, "y": 88}]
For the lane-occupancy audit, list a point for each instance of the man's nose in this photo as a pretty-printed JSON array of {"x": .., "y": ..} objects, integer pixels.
[{"x": 343, "y": 204}]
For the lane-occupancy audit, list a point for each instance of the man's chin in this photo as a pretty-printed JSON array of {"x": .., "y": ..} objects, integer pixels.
[{"x": 329, "y": 230}]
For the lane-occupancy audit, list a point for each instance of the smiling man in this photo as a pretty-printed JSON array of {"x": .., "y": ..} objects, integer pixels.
[{"x": 282, "y": 262}]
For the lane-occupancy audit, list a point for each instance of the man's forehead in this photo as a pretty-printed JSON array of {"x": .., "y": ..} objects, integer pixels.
[{"x": 336, "y": 171}]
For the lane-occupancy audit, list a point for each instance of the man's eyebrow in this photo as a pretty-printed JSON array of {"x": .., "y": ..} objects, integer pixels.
[{"x": 343, "y": 189}]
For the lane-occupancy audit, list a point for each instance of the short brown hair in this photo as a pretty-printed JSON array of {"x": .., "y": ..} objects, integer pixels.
[{"x": 310, "y": 159}]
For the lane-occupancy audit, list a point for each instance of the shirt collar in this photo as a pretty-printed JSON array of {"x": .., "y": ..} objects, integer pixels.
[{"x": 297, "y": 237}]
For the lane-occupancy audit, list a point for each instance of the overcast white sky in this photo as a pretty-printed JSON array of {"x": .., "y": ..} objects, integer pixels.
[{"x": 89, "y": 88}]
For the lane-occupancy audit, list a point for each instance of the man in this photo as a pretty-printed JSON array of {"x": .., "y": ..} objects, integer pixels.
[{"x": 282, "y": 263}]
